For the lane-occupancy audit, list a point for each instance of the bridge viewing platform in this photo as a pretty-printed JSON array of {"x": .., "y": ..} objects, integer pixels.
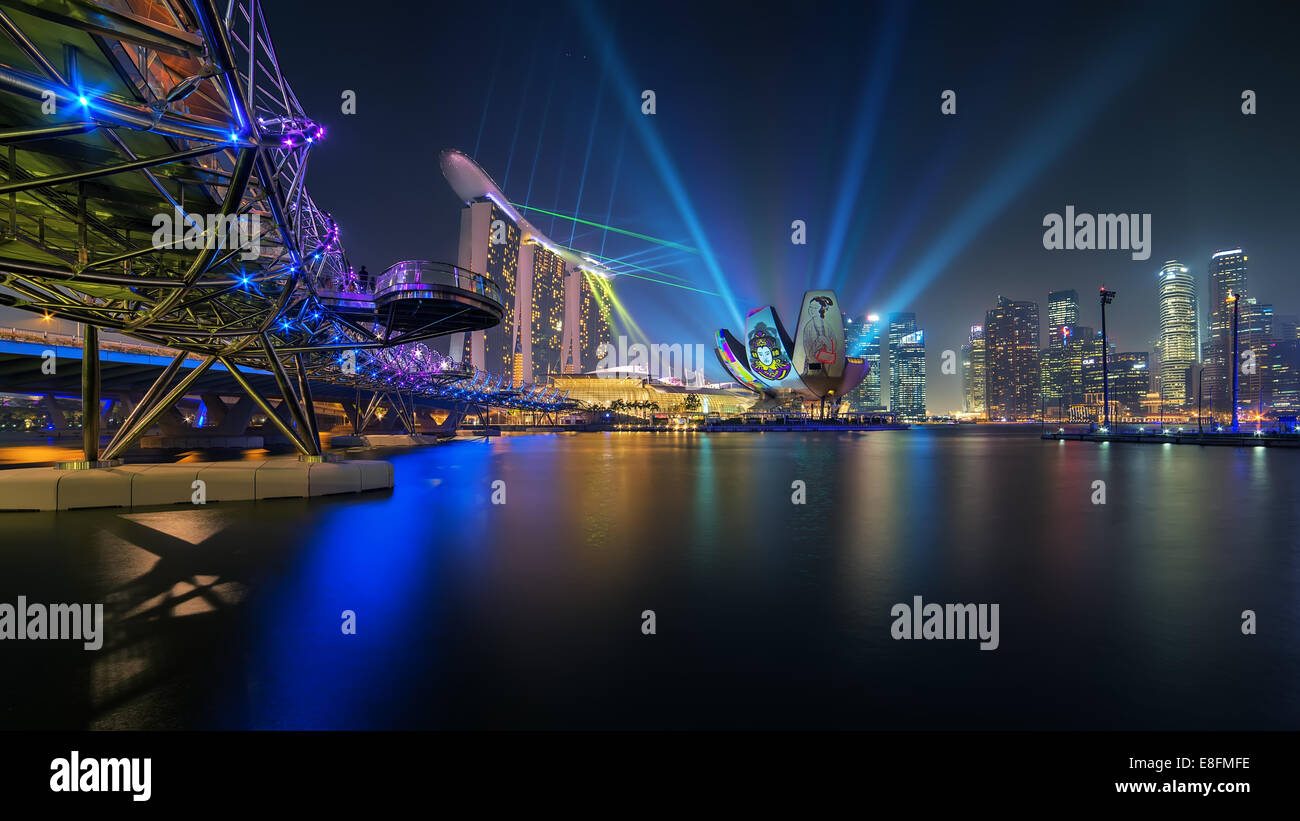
[{"x": 164, "y": 201}]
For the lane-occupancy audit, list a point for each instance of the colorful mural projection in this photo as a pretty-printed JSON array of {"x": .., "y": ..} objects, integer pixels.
[
  {"x": 813, "y": 366},
  {"x": 769, "y": 361},
  {"x": 768, "y": 348},
  {"x": 819, "y": 344},
  {"x": 732, "y": 356}
]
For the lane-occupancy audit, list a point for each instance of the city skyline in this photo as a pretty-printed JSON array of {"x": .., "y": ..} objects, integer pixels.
[
  {"x": 656, "y": 368},
  {"x": 906, "y": 209}
]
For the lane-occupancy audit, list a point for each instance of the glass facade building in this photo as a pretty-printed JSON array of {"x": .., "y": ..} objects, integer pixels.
[
  {"x": 1227, "y": 276},
  {"x": 1179, "y": 345},
  {"x": 906, "y": 366},
  {"x": 862, "y": 338},
  {"x": 1012, "y": 376},
  {"x": 974, "y": 386}
]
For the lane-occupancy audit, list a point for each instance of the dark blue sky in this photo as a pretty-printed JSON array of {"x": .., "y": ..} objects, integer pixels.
[{"x": 827, "y": 113}]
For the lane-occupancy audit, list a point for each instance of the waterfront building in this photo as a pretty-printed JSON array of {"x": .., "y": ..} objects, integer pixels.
[
  {"x": 906, "y": 366},
  {"x": 1012, "y": 376},
  {"x": 974, "y": 386},
  {"x": 1179, "y": 345},
  {"x": 1227, "y": 276}
]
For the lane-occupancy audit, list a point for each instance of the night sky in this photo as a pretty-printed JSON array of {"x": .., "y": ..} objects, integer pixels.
[{"x": 826, "y": 113}]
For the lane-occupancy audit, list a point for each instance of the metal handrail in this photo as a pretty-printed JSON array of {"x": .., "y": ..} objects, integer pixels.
[{"x": 414, "y": 272}]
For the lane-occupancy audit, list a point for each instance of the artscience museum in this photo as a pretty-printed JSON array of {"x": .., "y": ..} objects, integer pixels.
[{"x": 810, "y": 367}]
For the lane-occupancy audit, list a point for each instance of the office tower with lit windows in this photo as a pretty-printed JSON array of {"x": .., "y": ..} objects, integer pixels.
[
  {"x": 973, "y": 371},
  {"x": 1062, "y": 316},
  {"x": 539, "y": 313},
  {"x": 862, "y": 338},
  {"x": 901, "y": 324},
  {"x": 595, "y": 318},
  {"x": 1284, "y": 374},
  {"x": 1130, "y": 379},
  {"x": 1091, "y": 372},
  {"x": 907, "y": 376},
  {"x": 1179, "y": 345},
  {"x": 1012, "y": 369},
  {"x": 1062, "y": 313},
  {"x": 1081, "y": 341},
  {"x": 854, "y": 329},
  {"x": 587, "y": 319},
  {"x": 1255, "y": 335},
  {"x": 1227, "y": 276},
  {"x": 489, "y": 244}
]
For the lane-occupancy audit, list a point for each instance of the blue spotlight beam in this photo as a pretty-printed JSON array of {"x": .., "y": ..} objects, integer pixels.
[
  {"x": 865, "y": 126},
  {"x": 602, "y": 39},
  {"x": 1064, "y": 125}
]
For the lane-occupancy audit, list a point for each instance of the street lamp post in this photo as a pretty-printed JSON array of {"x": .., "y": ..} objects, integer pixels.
[
  {"x": 1234, "y": 299},
  {"x": 1106, "y": 298}
]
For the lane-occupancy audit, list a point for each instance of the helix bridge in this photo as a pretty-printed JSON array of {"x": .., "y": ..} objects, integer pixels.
[{"x": 152, "y": 183}]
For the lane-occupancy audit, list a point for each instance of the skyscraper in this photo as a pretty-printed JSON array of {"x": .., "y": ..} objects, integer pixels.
[
  {"x": 1012, "y": 360},
  {"x": 1130, "y": 379},
  {"x": 1254, "y": 337},
  {"x": 586, "y": 325},
  {"x": 1081, "y": 342},
  {"x": 1179, "y": 344},
  {"x": 539, "y": 313},
  {"x": 864, "y": 341},
  {"x": 489, "y": 244},
  {"x": 973, "y": 371},
  {"x": 1055, "y": 370},
  {"x": 907, "y": 372},
  {"x": 1091, "y": 371},
  {"x": 1227, "y": 276},
  {"x": 854, "y": 329},
  {"x": 1284, "y": 374},
  {"x": 594, "y": 331},
  {"x": 1062, "y": 312},
  {"x": 901, "y": 324}
]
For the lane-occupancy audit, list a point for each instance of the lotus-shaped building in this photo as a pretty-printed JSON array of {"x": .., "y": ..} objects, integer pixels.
[{"x": 813, "y": 366}]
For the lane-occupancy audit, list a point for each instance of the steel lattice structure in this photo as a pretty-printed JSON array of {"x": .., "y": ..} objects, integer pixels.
[{"x": 154, "y": 185}]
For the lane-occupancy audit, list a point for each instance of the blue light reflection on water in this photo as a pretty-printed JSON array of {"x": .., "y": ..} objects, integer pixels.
[{"x": 527, "y": 614}]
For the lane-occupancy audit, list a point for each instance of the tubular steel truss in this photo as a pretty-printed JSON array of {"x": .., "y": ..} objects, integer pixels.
[{"x": 154, "y": 185}]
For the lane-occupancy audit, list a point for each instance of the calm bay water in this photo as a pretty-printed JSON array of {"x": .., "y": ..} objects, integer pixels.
[{"x": 769, "y": 614}]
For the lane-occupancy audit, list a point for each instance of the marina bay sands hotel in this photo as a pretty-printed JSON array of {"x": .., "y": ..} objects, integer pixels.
[{"x": 557, "y": 301}]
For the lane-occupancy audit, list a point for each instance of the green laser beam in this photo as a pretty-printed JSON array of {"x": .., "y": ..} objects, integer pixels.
[
  {"x": 633, "y": 266},
  {"x": 672, "y": 284},
  {"x": 645, "y": 237},
  {"x": 599, "y": 258}
]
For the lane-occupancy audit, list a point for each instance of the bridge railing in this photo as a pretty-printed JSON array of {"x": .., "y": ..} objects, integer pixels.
[{"x": 416, "y": 275}]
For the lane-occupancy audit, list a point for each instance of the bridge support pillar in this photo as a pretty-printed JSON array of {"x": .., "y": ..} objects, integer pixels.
[
  {"x": 237, "y": 417},
  {"x": 90, "y": 393},
  {"x": 309, "y": 407},
  {"x": 216, "y": 407},
  {"x": 51, "y": 405},
  {"x": 305, "y": 440}
]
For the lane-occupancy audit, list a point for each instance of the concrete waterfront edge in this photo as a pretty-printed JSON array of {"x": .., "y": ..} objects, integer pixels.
[{"x": 147, "y": 485}]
